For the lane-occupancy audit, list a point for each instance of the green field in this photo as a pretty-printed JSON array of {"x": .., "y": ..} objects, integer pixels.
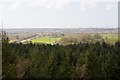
[
  {"x": 46, "y": 40},
  {"x": 110, "y": 38}
]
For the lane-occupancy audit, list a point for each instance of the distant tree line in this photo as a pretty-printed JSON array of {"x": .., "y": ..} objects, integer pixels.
[
  {"x": 87, "y": 61},
  {"x": 84, "y": 38}
]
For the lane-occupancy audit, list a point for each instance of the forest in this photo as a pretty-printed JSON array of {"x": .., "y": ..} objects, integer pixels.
[{"x": 81, "y": 61}]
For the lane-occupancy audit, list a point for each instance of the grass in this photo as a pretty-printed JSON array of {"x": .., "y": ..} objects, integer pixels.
[
  {"x": 46, "y": 40},
  {"x": 111, "y": 38}
]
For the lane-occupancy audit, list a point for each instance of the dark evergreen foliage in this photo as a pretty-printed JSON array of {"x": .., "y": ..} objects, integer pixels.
[{"x": 88, "y": 61}]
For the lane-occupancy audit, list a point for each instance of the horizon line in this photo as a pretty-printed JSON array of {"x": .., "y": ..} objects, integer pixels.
[{"x": 59, "y": 28}]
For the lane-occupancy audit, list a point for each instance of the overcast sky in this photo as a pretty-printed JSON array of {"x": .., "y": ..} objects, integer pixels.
[{"x": 58, "y": 13}]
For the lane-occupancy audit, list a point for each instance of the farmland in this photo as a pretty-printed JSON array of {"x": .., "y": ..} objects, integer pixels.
[
  {"x": 62, "y": 36},
  {"x": 47, "y": 40},
  {"x": 110, "y": 38}
]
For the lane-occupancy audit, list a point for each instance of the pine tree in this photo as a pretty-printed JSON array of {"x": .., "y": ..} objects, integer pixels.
[{"x": 8, "y": 58}]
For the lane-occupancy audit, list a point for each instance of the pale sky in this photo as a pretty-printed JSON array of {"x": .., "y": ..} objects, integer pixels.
[{"x": 59, "y": 13}]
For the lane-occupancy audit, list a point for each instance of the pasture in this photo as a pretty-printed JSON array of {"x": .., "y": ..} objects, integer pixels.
[
  {"x": 47, "y": 40},
  {"x": 110, "y": 38}
]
